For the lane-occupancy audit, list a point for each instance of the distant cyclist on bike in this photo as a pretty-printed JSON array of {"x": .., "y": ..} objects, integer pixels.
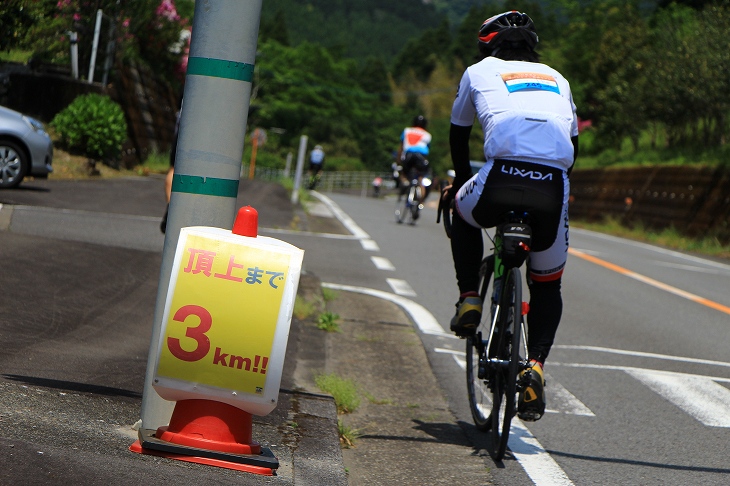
[
  {"x": 316, "y": 162},
  {"x": 530, "y": 128},
  {"x": 414, "y": 148}
]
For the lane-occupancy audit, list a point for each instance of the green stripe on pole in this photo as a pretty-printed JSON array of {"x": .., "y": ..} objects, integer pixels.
[
  {"x": 207, "y": 186},
  {"x": 219, "y": 68}
]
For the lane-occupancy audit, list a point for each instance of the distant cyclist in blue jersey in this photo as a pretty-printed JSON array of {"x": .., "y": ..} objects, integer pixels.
[
  {"x": 316, "y": 162},
  {"x": 414, "y": 148}
]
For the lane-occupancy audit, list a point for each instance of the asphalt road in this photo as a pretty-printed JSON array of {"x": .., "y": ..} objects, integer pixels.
[
  {"x": 637, "y": 386},
  {"x": 638, "y": 379}
]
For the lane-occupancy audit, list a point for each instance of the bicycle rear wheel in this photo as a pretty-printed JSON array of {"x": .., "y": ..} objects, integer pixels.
[
  {"x": 476, "y": 384},
  {"x": 506, "y": 350}
]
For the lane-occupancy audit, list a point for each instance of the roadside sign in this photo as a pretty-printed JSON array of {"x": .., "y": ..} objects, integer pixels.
[{"x": 226, "y": 319}]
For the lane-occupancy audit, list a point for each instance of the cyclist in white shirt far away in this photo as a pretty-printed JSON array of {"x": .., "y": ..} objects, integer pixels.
[{"x": 529, "y": 120}]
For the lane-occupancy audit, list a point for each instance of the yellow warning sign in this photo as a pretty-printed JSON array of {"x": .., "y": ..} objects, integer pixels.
[{"x": 223, "y": 313}]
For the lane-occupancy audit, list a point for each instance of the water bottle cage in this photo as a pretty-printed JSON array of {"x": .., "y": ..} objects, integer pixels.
[{"x": 516, "y": 241}]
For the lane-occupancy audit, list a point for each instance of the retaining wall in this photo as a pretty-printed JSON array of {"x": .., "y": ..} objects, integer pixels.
[{"x": 695, "y": 200}]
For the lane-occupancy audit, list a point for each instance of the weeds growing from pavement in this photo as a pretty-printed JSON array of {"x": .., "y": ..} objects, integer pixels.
[
  {"x": 302, "y": 308},
  {"x": 342, "y": 390},
  {"x": 348, "y": 435},
  {"x": 327, "y": 321},
  {"x": 378, "y": 401},
  {"x": 328, "y": 294}
]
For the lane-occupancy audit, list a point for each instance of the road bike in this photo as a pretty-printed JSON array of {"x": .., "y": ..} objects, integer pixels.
[
  {"x": 407, "y": 206},
  {"x": 496, "y": 353},
  {"x": 314, "y": 180}
]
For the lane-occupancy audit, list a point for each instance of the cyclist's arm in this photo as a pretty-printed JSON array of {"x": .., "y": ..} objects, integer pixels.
[
  {"x": 575, "y": 153},
  {"x": 459, "y": 142}
]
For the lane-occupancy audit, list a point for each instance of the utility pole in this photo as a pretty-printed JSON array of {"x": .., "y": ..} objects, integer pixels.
[{"x": 210, "y": 146}]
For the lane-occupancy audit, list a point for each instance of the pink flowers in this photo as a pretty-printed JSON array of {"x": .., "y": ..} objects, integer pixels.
[{"x": 167, "y": 10}]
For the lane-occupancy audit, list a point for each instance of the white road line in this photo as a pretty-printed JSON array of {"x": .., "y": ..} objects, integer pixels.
[
  {"x": 450, "y": 351},
  {"x": 401, "y": 287},
  {"x": 538, "y": 464},
  {"x": 344, "y": 218},
  {"x": 382, "y": 263},
  {"x": 562, "y": 401},
  {"x": 650, "y": 281},
  {"x": 642, "y": 354},
  {"x": 280, "y": 231},
  {"x": 657, "y": 249},
  {"x": 700, "y": 397},
  {"x": 369, "y": 245},
  {"x": 425, "y": 321},
  {"x": 690, "y": 268}
]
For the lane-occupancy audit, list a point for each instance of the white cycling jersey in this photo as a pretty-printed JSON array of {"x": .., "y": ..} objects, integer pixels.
[{"x": 526, "y": 110}]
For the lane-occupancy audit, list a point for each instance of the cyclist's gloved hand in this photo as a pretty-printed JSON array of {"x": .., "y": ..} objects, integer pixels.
[{"x": 446, "y": 203}]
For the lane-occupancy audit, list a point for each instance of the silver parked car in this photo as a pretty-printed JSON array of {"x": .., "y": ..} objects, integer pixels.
[{"x": 25, "y": 148}]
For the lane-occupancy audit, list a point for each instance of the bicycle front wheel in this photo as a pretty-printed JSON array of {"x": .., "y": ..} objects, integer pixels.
[
  {"x": 476, "y": 383},
  {"x": 506, "y": 356},
  {"x": 401, "y": 208}
]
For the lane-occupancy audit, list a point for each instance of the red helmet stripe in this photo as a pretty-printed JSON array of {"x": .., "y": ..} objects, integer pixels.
[{"x": 488, "y": 37}]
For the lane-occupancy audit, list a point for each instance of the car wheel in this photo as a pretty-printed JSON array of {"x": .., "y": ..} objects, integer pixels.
[{"x": 13, "y": 164}]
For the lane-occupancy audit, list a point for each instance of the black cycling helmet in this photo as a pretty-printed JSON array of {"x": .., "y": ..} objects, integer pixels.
[
  {"x": 420, "y": 121},
  {"x": 513, "y": 29}
]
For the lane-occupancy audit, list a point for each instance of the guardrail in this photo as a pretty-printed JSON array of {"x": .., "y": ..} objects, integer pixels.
[
  {"x": 329, "y": 181},
  {"x": 694, "y": 200}
]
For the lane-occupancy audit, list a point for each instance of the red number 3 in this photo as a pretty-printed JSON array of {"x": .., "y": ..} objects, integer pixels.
[{"x": 197, "y": 333}]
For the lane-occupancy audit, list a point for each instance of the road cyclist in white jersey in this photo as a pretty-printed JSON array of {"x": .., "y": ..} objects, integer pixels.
[{"x": 529, "y": 120}]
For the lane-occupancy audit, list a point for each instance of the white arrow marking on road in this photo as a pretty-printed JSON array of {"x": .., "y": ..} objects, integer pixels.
[{"x": 382, "y": 263}]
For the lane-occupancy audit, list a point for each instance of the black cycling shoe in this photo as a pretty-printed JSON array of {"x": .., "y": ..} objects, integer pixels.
[{"x": 531, "y": 399}]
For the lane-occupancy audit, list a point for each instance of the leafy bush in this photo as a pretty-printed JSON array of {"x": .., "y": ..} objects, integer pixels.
[{"x": 92, "y": 124}]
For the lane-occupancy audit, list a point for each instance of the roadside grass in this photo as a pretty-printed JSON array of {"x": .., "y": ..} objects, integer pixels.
[
  {"x": 378, "y": 401},
  {"x": 668, "y": 238},
  {"x": 304, "y": 195},
  {"x": 156, "y": 162},
  {"x": 329, "y": 321},
  {"x": 328, "y": 294},
  {"x": 16, "y": 55},
  {"x": 302, "y": 308},
  {"x": 652, "y": 150},
  {"x": 344, "y": 391},
  {"x": 348, "y": 435}
]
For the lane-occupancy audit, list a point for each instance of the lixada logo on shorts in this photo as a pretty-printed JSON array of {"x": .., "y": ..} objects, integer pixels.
[{"x": 532, "y": 174}]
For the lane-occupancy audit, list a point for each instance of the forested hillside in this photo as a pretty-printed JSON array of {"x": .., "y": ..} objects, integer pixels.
[
  {"x": 648, "y": 76},
  {"x": 354, "y": 28}
]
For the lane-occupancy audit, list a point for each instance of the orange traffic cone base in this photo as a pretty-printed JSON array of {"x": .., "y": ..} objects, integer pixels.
[
  {"x": 208, "y": 432},
  {"x": 264, "y": 464}
]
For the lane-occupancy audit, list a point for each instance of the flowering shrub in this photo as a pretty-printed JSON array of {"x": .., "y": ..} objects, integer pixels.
[{"x": 149, "y": 31}]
